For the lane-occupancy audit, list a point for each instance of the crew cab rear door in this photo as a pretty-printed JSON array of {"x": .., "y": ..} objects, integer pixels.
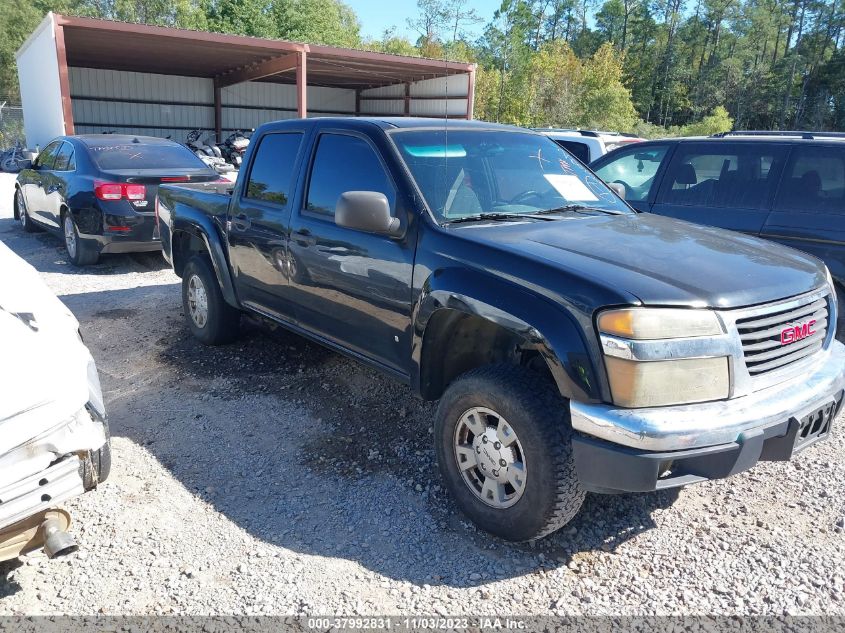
[
  {"x": 258, "y": 222},
  {"x": 351, "y": 287}
]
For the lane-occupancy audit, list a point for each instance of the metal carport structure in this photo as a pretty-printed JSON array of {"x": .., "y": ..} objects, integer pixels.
[{"x": 89, "y": 75}]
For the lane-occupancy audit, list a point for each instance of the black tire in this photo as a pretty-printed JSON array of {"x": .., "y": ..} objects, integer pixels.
[
  {"x": 222, "y": 322},
  {"x": 80, "y": 252},
  {"x": 20, "y": 213},
  {"x": 532, "y": 407},
  {"x": 100, "y": 464}
]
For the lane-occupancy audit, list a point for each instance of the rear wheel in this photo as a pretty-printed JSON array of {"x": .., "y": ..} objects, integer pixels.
[
  {"x": 21, "y": 214},
  {"x": 79, "y": 252},
  {"x": 503, "y": 441},
  {"x": 210, "y": 318}
]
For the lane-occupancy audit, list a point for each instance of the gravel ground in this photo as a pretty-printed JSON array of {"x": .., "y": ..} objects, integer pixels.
[{"x": 275, "y": 477}]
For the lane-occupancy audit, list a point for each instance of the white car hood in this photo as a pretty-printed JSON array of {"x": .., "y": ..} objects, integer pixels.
[{"x": 45, "y": 369}]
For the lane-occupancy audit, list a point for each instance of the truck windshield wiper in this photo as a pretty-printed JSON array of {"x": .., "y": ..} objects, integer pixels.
[
  {"x": 486, "y": 216},
  {"x": 577, "y": 208}
]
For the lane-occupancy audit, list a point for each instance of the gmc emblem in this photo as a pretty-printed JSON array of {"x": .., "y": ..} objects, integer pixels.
[{"x": 797, "y": 332}]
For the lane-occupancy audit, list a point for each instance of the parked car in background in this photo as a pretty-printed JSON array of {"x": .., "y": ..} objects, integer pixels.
[
  {"x": 573, "y": 344},
  {"x": 98, "y": 191},
  {"x": 784, "y": 186},
  {"x": 588, "y": 145},
  {"x": 54, "y": 436}
]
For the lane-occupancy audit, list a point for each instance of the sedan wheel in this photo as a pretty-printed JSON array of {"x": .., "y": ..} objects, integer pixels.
[
  {"x": 23, "y": 216},
  {"x": 197, "y": 301},
  {"x": 70, "y": 236}
]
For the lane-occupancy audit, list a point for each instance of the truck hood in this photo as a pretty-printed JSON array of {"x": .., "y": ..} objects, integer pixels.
[
  {"x": 46, "y": 373},
  {"x": 660, "y": 260}
]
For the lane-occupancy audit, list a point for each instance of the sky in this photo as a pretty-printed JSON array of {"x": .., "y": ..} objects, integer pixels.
[{"x": 378, "y": 15}]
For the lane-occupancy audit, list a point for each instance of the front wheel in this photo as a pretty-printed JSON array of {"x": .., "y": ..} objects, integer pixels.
[
  {"x": 503, "y": 442},
  {"x": 21, "y": 213},
  {"x": 210, "y": 318}
]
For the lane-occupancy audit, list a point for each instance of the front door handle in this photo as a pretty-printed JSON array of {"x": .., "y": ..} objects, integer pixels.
[{"x": 241, "y": 222}]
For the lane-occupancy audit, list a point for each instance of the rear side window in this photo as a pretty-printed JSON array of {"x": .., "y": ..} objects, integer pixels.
[
  {"x": 272, "y": 169},
  {"x": 635, "y": 168},
  {"x": 345, "y": 163},
  {"x": 47, "y": 157},
  {"x": 64, "y": 159},
  {"x": 578, "y": 150},
  {"x": 813, "y": 181},
  {"x": 732, "y": 175},
  {"x": 144, "y": 156}
]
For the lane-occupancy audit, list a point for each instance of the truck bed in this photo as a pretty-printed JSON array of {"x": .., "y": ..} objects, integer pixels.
[{"x": 212, "y": 198}]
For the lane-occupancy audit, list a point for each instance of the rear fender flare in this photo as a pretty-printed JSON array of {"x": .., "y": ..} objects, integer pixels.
[{"x": 199, "y": 225}]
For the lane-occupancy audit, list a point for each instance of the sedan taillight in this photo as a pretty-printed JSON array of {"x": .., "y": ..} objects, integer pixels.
[{"x": 118, "y": 191}]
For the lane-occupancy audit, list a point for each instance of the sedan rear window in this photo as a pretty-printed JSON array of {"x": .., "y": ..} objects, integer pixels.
[{"x": 144, "y": 156}]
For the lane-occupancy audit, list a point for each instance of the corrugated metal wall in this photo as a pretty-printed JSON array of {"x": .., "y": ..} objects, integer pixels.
[
  {"x": 166, "y": 105},
  {"x": 429, "y": 97}
]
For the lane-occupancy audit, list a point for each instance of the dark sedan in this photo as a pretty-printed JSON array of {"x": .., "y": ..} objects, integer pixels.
[{"x": 99, "y": 191}]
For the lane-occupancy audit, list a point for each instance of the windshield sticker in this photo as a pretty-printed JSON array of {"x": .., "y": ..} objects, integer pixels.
[{"x": 570, "y": 187}]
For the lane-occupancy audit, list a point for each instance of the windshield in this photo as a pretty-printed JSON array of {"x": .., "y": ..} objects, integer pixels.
[
  {"x": 142, "y": 156},
  {"x": 476, "y": 172}
]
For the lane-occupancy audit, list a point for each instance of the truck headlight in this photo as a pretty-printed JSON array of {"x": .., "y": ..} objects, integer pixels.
[{"x": 653, "y": 359}]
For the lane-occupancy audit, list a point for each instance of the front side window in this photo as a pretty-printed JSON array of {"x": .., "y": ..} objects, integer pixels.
[
  {"x": 738, "y": 175},
  {"x": 634, "y": 169},
  {"x": 345, "y": 163},
  {"x": 463, "y": 173},
  {"x": 271, "y": 175},
  {"x": 814, "y": 181},
  {"x": 47, "y": 157}
]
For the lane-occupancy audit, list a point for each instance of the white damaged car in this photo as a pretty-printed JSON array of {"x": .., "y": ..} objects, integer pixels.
[{"x": 54, "y": 436}]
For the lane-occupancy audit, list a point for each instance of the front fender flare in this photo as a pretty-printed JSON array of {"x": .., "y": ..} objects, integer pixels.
[{"x": 543, "y": 325}]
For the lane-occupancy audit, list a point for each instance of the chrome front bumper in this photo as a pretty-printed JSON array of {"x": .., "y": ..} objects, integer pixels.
[
  {"x": 41, "y": 491},
  {"x": 676, "y": 428}
]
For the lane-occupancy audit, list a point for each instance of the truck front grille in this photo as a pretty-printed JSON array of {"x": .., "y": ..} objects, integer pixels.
[{"x": 782, "y": 336}]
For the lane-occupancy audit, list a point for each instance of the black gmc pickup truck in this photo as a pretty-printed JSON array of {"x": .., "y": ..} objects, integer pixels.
[{"x": 575, "y": 344}]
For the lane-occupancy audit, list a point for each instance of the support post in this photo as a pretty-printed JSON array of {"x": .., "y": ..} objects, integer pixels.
[
  {"x": 218, "y": 111},
  {"x": 357, "y": 102},
  {"x": 64, "y": 82},
  {"x": 470, "y": 93},
  {"x": 301, "y": 85},
  {"x": 407, "y": 99}
]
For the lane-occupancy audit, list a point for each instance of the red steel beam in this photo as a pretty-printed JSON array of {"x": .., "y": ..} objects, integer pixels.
[
  {"x": 301, "y": 85},
  {"x": 266, "y": 68},
  {"x": 64, "y": 82}
]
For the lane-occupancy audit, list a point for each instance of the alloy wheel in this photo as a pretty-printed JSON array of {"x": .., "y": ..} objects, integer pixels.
[
  {"x": 490, "y": 457},
  {"x": 197, "y": 301},
  {"x": 22, "y": 216},
  {"x": 70, "y": 235}
]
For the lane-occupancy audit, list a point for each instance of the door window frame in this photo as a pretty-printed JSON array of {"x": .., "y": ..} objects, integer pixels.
[
  {"x": 69, "y": 159},
  {"x": 245, "y": 201},
  {"x": 302, "y": 207},
  {"x": 41, "y": 166},
  {"x": 671, "y": 148},
  {"x": 766, "y": 206}
]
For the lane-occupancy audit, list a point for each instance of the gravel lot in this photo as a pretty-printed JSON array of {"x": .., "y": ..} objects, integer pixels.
[{"x": 274, "y": 476}]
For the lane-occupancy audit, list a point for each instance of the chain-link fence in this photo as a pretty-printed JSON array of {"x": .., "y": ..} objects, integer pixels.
[{"x": 11, "y": 123}]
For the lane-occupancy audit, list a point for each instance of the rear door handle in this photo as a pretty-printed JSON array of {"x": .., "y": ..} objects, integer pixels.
[
  {"x": 304, "y": 238},
  {"x": 241, "y": 222}
]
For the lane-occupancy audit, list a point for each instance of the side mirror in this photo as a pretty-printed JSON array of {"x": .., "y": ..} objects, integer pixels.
[
  {"x": 367, "y": 211},
  {"x": 618, "y": 188}
]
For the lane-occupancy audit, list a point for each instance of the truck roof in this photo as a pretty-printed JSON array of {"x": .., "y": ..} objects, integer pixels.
[{"x": 390, "y": 122}]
